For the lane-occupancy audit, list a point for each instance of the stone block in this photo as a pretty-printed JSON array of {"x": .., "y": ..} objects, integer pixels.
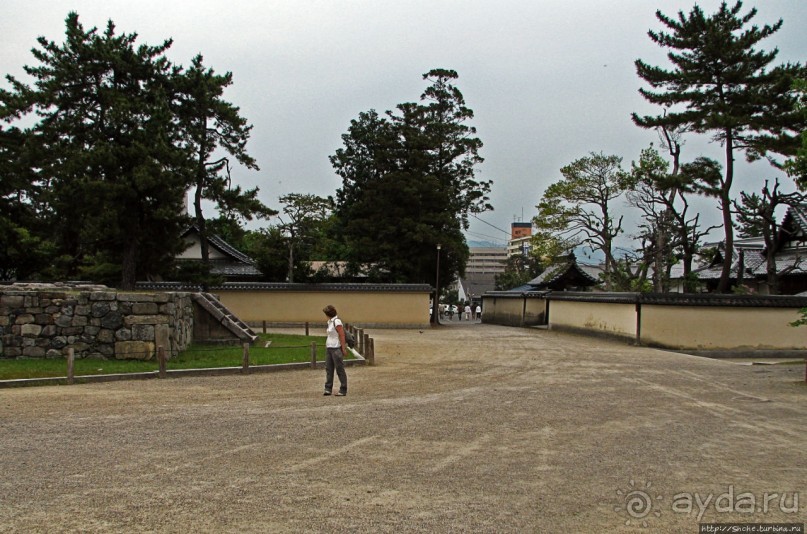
[
  {"x": 145, "y": 308},
  {"x": 44, "y": 318},
  {"x": 49, "y": 331},
  {"x": 91, "y": 330},
  {"x": 100, "y": 309},
  {"x": 83, "y": 309},
  {"x": 63, "y": 321},
  {"x": 142, "y": 332},
  {"x": 102, "y": 295},
  {"x": 123, "y": 334},
  {"x": 72, "y": 330},
  {"x": 106, "y": 336},
  {"x": 4, "y": 320},
  {"x": 12, "y": 352},
  {"x": 54, "y": 354},
  {"x": 30, "y": 330},
  {"x": 135, "y": 297},
  {"x": 24, "y": 318},
  {"x": 80, "y": 320},
  {"x": 134, "y": 350},
  {"x": 145, "y": 319},
  {"x": 12, "y": 301},
  {"x": 113, "y": 320}
]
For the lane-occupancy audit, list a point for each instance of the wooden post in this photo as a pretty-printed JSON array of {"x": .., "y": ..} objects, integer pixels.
[
  {"x": 264, "y": 327},
  {"x": 371, "y": 353},
  {"x": 306, "y": 328},
  {"x": 245, "y": 362},
  {"x": 313, "y": 354},
  {"x": 71, "y": 358},
  {"x": 366, "y": 344},
  {"x": 360, "y": 340},
  {"x": 161, "y": 359}
]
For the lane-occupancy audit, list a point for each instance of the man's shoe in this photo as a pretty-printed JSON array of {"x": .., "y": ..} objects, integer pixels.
[
  {"x": 341, "y": 393},
  {"x": 327, "y": 392}
]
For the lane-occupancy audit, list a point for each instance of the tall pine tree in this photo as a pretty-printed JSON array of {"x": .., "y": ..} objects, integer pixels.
[
  {"x": 214, "y": 134},
  {"x": 722, "y": 85},
  {"x": 109, "y": 154}
]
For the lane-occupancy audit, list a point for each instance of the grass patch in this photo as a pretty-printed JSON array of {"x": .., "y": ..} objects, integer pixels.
[{"x": 282, "y": 348}]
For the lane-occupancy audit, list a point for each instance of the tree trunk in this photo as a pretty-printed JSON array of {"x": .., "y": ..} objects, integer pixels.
[
  {"x": 201, "y": 225},
  {"x": 725, "y": 205},
  {"x": 129, "y": 264},
  {"x": 291, "y": 262},
  {"x": 197, "y": 200}
]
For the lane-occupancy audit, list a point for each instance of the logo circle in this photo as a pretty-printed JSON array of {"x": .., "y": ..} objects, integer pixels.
[{"x": 638, "y": 504}]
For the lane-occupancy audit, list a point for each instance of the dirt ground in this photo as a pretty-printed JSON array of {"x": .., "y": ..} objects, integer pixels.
[{"x": 456, "y": 429}]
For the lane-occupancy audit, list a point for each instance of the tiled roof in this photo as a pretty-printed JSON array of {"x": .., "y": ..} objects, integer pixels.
[
  {"x": 222, "y": 246},
  {"x": 234, "y": 269},
  {"x": 798, "y": 214},
  {"x": 555, "y": 273},
  {"x": 282, "y": 286}
]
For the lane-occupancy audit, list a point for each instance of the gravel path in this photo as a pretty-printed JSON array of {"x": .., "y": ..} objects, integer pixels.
[{"x": 460, "y": 428}]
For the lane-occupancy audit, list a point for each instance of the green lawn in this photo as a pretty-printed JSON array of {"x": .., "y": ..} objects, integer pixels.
[{"x": 282, "y": 348}]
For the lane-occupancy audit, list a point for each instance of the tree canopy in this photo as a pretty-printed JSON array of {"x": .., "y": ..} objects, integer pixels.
[
  {"x": 409, "y": 183},
  {"x": 721, "y": 84},
  {"x": 577, "y": 209},
  {"x": 117, "y": 135}
]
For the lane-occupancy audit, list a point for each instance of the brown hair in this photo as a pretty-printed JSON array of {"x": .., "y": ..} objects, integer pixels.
[{"x": 329, "y": 310}]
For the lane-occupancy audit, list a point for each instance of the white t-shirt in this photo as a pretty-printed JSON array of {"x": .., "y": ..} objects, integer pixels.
[{"x": 333, "y": 335}]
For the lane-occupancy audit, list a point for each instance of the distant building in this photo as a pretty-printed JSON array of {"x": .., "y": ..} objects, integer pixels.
[
  {"x": 484, "y": 263},
  {"x": 566, "y": 274},
  {"x": 749, "y": 260},
  {"x": 486, "y": 260},
  {"x": 520, "y": 239}
]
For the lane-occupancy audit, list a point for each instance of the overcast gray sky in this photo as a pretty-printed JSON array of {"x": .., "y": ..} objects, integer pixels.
[{"x": 549, "y": 80}]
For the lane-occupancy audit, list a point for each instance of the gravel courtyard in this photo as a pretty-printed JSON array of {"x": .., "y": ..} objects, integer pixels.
[{"x": 461, "y": 428}]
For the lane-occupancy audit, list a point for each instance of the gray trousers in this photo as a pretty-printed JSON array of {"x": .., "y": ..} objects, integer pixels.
[{"x": 334, "y": 361}]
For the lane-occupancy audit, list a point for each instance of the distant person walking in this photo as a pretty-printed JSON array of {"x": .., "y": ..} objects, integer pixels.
[
  {"x": 479, "y": 312},
  {"x": 335, "y": 349},
  {"x": 467, "y": 312}
]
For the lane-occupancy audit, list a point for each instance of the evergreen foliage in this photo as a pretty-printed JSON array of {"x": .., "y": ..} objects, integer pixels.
[
  {"x": 94, "y": 187},
  {"x": 721, "y": 84},
  {"x": 409, "y": 183}
]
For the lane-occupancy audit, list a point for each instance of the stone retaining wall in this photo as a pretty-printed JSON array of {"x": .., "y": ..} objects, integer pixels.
[{"x": 44, "y": 321}]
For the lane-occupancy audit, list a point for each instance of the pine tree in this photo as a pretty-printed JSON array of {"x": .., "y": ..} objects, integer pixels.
[
  {"x": 722, "y": 85},
  {"x": 578, "y": 209},
  {"x": 211, "y": 125},
  {"x": 109, "y": 159}
]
